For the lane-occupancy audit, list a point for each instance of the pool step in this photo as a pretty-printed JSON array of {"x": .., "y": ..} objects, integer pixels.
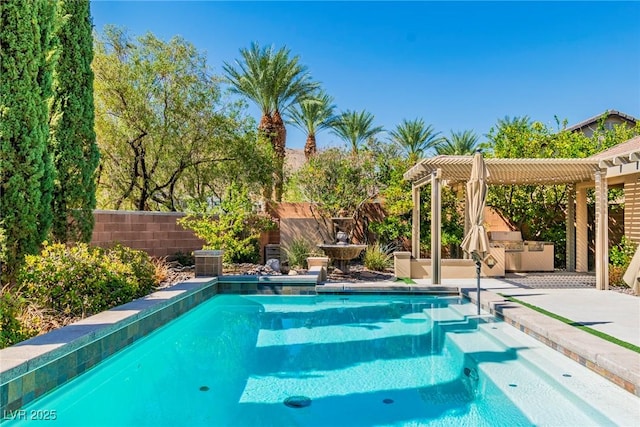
[
  {"x": 534, "y": 380},
  {"x": 410, "y": 324}
]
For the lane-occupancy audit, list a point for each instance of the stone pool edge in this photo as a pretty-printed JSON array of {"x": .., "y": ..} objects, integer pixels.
[{"x": 611, "y": 361}]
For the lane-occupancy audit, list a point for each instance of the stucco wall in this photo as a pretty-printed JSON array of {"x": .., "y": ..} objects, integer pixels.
[{"x": 299, "y": 229}]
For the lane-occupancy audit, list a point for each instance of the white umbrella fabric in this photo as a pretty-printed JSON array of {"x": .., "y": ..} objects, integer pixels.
[{"x": 476, "y": 242}]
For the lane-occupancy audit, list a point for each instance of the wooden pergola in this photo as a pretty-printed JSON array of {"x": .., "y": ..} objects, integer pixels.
[{"x": 619, "y": 165}]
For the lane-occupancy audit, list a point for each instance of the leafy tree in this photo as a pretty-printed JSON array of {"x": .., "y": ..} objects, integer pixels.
[
  {"x": 458, "y": 144},
  {"x": 163, "y": 126},
  {"x": 395, "y": 195},
  {"x": 72, "y": 137},
  {"x": 337, "y": 184},
  {"x": 355, "y": 128},
  {"x": 274, "y": 81},
  {"x": 312, "y": 115},
  {"x": 231, "y": 226},
  {"x": 603, "y": 138},
  {"x": 539, "y": 211},
  {"x": 26, "y": 172},
  {"x": 415, "y": 138},
  {"x": 251, "y": 164}
]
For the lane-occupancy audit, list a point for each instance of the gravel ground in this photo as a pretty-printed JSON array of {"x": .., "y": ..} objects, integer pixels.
[{"x": 357, "y": 273}]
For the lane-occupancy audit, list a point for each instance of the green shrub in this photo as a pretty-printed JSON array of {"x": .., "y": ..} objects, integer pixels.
[
  {"x": 298, "y": 252},
  {"x": 183, "y": 258},
  {"x": 11, "y": 329},
  {"x": 392, "y": 230},
  {"x": 232, "y": 227},
  {"x": 81, "y": 280},
  {"x": 376, "y": 258},
  {"x": 621, "y": 254},
  {"x": 619, "y": 259}
]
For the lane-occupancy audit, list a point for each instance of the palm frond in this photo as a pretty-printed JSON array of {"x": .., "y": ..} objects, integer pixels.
[
  {"x": 415, "y": 137},
  {"x": 354, "y": 127},
  {"x": 270, "y": 78},
  {"x": 459, "y": 144},
  {"x": 312, "y": 114}
]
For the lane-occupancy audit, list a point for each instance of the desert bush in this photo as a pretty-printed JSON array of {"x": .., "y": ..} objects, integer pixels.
[
  {"x": 297, "y": 253},
  {"x": 11, "y": 329},
  {"x": 616, "y": 274},
  {"x": 232, "y": 226},
  {"x": 619, "y": 259},
  {"x": 183, "y": 258},
  {"x": 82, "y": 280},
  {"x": 161, "y": 269},
  {"x": 376, "y": 258}
]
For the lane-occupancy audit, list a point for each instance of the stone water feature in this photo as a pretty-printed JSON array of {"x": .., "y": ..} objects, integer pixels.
[{"x": 342, "y": 252}]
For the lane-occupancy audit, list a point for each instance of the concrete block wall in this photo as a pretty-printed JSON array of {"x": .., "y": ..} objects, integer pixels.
[{"x": 157, "y": 233}]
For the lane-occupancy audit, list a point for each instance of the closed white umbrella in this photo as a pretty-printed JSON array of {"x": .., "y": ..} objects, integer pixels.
[{"x": 476, "y": 242}]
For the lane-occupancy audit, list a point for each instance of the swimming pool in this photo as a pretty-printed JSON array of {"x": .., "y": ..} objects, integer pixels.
[{"x": 336, "y": 360}]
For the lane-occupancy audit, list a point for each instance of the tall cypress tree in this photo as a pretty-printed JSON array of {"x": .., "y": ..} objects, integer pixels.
[
  {"x": 24, "y": 132},
  {"x": 48, "y": 49},
  {"x": 73, "y": 140}
]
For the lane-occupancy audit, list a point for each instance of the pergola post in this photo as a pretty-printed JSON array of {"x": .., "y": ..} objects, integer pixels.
[
  {"x": 415, "y": 222},
  {"x": 436, "y": 237},
  {"x": 602, "y": 232},
  {"x": 571, "y": 228},
  {"x": 582, "y": 241}
]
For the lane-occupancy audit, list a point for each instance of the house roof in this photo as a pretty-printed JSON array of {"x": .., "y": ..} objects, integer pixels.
[{"x": 594, "y": 119}]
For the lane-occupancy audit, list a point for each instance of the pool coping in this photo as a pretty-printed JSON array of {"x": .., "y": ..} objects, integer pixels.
[
  {"x": 613, "y": 362},
  {"x": 385, "y": 287}
]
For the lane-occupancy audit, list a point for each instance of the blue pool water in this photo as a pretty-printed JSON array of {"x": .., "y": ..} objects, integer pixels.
[{"x": 343, "y": 360}]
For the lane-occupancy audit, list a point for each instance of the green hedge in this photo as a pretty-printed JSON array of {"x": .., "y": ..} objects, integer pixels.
[
  {"x": 11, "y": 330},
  {"x": 82, "y": 280}
]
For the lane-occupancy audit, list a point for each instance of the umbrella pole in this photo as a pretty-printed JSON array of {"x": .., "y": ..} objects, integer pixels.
[{"x": 478, "y": 285}]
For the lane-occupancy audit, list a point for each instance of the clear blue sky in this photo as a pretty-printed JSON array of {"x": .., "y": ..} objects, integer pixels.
[{"x": 457, "y": 65}]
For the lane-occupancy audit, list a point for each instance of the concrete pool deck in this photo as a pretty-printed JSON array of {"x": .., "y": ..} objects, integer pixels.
[{"x": 568, "y": 295}]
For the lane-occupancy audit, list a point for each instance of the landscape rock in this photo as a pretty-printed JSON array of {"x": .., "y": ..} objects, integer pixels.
[{"x": 273, "y": 264}]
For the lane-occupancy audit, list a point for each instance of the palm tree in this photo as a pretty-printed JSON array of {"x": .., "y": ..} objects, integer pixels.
[
  {"x": 517, "y": 122},
  {"x": 415, "y": 137},
  {"x": 312, "y": 115},
  {"x": 459, "y": 144},
  {"x": 355, "y": 128},
  {"x": 274, "y": 81}
]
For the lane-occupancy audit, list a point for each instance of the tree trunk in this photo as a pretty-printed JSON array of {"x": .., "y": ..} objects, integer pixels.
[
  {"x": 268, "y": 128},
  {"x": 279, "y": 145},
  {"x": 310, "y": 147}
]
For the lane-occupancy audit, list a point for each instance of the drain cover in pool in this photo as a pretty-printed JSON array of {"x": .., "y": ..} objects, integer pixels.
[{"x": 297, "y": 401}]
